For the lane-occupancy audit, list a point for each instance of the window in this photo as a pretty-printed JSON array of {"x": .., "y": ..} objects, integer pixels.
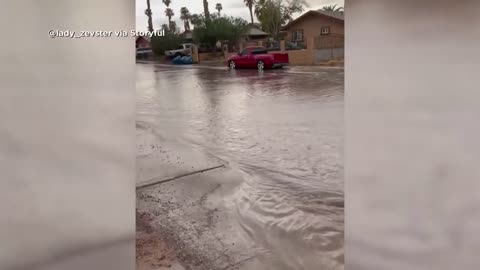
[
  {"x": 297, "y": 35},
  {"x": 325, "y": 30},
  {"x": 259, "y": 51},
  {"x": 244, "y": 52}
]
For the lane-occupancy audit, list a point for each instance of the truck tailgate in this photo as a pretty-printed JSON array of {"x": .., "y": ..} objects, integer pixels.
[{"x": 280, "y": 57}]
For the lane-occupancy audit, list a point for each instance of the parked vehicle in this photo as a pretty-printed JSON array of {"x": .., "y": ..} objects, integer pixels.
[
  {"x": 257, "y": 57},
  {"x": 182, "y": 50},
  {"x": 143, "y": 53}
]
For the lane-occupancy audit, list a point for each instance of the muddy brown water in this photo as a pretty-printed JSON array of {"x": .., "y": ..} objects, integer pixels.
[{"x": 283, "y": 129}]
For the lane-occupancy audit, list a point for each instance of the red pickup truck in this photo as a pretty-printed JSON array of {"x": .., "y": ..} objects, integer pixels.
[{"x": 257, "y": 57}]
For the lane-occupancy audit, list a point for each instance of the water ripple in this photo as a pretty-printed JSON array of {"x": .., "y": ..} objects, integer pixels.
[{"x": 284, "y": 131}]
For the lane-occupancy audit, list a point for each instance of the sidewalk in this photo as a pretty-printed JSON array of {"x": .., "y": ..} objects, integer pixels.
[
  {"x": 218, "y": 64},
  {"x": 190, "y": 217},
  {"x": 332, "y": 63},
  {"x": 211, "y": 63}
]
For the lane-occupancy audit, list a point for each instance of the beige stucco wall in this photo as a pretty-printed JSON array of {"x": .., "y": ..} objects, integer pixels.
[
  {"x": 301, "y": 57},
  {"x": 312, "y": 24}
]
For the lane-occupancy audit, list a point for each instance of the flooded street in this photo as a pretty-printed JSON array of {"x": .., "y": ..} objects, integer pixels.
[{"x": 282, "y": 130}]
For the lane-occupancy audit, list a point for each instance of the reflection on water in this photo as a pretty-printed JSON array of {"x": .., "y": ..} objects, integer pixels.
[{"x": 284, "y": 131}]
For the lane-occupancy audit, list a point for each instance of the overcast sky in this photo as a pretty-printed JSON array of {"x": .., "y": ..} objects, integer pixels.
[{"x": 230, "y": 8}]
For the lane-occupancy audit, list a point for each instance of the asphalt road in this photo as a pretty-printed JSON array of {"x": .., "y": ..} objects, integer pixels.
[{"x": 274, "y": 198}]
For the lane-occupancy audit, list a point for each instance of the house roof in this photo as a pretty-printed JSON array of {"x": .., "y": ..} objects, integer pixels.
[
  {"x": 187, "y": 34},
  {"x": 255, "y": 32},
  {"x": 147, "y": 38},
  {"x": 253, "y": 29},
  {"x": 332, "y": 14}
]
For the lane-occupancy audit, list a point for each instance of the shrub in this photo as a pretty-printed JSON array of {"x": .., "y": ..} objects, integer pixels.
[
  {"x": 170, "y": 41},
  {"x": 221, "y": 28}
]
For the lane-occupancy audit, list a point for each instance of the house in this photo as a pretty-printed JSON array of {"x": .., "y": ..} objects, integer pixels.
[
  {"x": 143, "y": 47},
  {"x": 252, "y": 35},
  {"x": 188, "y": 36},
  {"x": 143, "y": 42},
  {"x": 315, "y": 24}
]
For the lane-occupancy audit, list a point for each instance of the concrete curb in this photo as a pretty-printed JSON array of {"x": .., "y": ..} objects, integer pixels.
[{"x": 156, "y": 181}]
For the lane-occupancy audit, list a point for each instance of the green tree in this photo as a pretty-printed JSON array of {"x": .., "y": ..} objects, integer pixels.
[
  {"x": 173, "y": 27},
  {"x": 165, "y": 27},
  {"x": 270, "y": 15},
  {"x": 196, "y": 20},
  {"x": 250, "y": 4},
  {"x": 167, "y": 2},
  {"x": 333, "y": 8},
  {"x": 218, "y": 7},
  {"x": 170, "y": 41},
  {"x": 222, "y": 28},
  {"x": 273, "y": 14},
  {"x": 185, "y": 17},
  {"x": 148, "y": 12}
]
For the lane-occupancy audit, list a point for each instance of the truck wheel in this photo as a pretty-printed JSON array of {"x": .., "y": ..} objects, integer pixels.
[
  {"x": 231, "y": 65},
  {"x": 260, "y": 65}
]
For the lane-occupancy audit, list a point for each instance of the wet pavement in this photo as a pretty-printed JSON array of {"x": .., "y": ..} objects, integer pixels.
[{"x": 279, "y": 134}]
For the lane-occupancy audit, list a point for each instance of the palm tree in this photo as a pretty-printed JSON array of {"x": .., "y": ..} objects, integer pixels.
[
  {"x": 185, "y": 17},
  {"x": 173, "y": 27},
  {"x": 165, "y": 27},
  {"x": 333, "y": 8},
  {"x": 218, "y": 7},
  {"x": 148, "y": 12},
  {"x": 169, "y": 13},
  {"x": 195, "y": 19},
  {"x": 250, "y": 4},
  {"x": 205, "y": 10}
]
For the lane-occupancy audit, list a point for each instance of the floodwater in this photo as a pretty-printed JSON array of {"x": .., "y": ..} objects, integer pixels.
[{"x": 283, "y": 129}]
